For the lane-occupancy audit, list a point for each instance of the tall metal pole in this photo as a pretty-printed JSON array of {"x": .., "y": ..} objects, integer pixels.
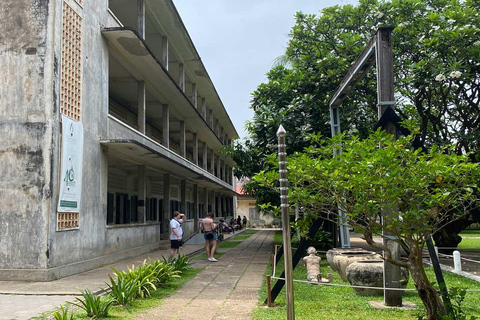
[{"x": 287, "y": 247}]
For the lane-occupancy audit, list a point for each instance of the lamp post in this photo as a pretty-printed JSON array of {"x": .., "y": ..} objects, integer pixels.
[{"x": 287, "y": 247}]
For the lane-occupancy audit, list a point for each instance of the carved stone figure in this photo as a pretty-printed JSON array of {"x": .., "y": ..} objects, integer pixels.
[{"x": 312, "y": 263}]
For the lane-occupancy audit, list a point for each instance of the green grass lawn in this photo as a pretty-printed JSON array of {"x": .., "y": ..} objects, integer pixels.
[
  {"x": 321, "y": 302},
  {"x": 470, "y": 233},
  {"x": 140, "y": 306},
  {"x": 467, "y": 241},
  {"x": 228, "y": 244}
]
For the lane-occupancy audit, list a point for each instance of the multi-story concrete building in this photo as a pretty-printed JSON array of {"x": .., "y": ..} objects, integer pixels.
[{"x": 127, "y": 74}]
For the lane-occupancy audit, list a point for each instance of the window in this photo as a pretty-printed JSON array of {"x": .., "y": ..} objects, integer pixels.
[{"x": 253, "y": 214}]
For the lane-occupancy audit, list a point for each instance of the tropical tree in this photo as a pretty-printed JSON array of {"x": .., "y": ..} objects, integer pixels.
[
  {"x": 379, "y": 175},
  {"x": 436, "y": 47}
]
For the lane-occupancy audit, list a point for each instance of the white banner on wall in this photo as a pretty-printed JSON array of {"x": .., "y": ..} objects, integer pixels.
[{"x": 71, "y": 174}]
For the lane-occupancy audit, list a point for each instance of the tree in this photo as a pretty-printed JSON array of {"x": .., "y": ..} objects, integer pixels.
[
  {"x": 367, "y": 180},
  {"x": 436, "y": 47}
]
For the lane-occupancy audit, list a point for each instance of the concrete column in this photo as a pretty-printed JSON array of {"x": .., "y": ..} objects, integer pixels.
[
  {"x": 195, "y": 208},
  {"x": 141, "y": 18},
  {"x": 212, "y": 163},
  {"x": 142, "y": 193},
  {"x": 165, "y": 52},
  {"x": 183, "y": 196},
  {"x": 181, "y": 76},
  {"x": 234, "y": 207},
  {"x": 204, "y": 108},
  {"x": 215, "y": 204},
  {"x": 195, "y": 148},
  {"x": 183, "y": 150},
  {"x": 226, "y": 142},
  {"x": 142, "y": 106},
  {"x": 205, "y": 156},
  {"x": 224, "y": 206},
  {"x": 166, "y": 207},
  {"x": 222, "y": 137},
  {"x": 206, "y": 200},
  {"x": 215, "y": 126},
  {"x": 210, "y": 118},
  {"x": 224, "y": 174},
  {"x": 166, "y": 126},
  {"x": 194, "y": 95},
  {"x": 219, "y": 167}
]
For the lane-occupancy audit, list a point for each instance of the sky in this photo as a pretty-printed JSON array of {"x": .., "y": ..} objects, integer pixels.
[{"x": 238, "y": 41}]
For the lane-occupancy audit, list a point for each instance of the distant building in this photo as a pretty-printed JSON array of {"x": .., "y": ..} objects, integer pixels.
[
  {"x": 142, "y": 139},
  {"x": 247, "y": 206}
]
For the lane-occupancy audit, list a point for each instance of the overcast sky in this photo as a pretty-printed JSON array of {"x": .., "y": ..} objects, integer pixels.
[{"x": 238, "y": 42}]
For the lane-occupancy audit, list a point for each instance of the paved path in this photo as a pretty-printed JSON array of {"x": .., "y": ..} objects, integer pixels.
[
  {"x": 22, "y": 300},
  {"x": 227, "y": 289}
]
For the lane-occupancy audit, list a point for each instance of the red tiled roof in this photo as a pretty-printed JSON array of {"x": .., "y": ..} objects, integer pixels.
[{"x": 239, "y": 190}]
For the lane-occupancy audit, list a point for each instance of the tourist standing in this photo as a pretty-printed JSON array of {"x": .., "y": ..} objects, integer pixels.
[
  {"x": 176, "y": 233},
  {"x": 245, "y": 222},
  {"x": 239, "y": 222},
  {"x": 208, "y": 228}
]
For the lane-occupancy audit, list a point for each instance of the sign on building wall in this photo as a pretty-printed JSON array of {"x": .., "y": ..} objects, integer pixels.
[{"x": 71, "y": 174}]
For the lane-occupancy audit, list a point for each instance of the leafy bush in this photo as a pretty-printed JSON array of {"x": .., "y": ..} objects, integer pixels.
[
  {"x": 181, "y": 263},
  {"x": 164, "y": 272},
  {"x": 457, "y": 297},
  {"x": 143, "y": 277},
  {"x": 122, "y": 290},
  {"x": 94, "y": 306},
  {"x": 62, "y": 314}
]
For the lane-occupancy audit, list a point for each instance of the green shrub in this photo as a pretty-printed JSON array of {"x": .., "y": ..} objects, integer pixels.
[
  {"x": 143, "y": 276},
  {"x": 181, "y": 263},
  {"x": 122, "y": 290},
  {"x": 164, "y": 272},
  {"x": 62, "y": 314},
  {"x": 94, "y": 306}
]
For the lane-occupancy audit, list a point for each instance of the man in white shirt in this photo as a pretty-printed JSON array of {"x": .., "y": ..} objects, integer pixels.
[{"x": 176, "y": 233}]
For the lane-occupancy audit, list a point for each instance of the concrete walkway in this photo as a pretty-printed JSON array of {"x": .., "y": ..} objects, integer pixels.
[
  {"x": 23, "y": 300},
  {"x": 227, "y": 289}
]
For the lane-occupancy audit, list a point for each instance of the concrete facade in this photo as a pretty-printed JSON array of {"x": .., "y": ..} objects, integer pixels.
[
  {"x": 247, "y": 206},
  {"x": 145, "y": 135}
]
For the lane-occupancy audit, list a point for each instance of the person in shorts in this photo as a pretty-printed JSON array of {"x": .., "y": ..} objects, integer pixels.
[
  {"x": 208, "y": 228},
  {"x": 176, "y": 233}
]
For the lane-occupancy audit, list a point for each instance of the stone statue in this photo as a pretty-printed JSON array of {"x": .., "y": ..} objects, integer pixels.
[{"x": 312, "y": 263}]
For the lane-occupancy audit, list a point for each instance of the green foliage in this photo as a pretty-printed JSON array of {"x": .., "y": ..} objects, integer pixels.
[
  {"x": 436, "y": 47},
  {"x": 94, "y": 306},
  {"x": 180, "y": 264},
  {"x": 148, "y": 276},
  {"x": 142, "y": 278},
  {"x": 458, "y": 312},
  {"x": 123, "y": 290},
  {"x": 415, "y": 191},
  {"x": 164, "y": 272},
  {"x": 368, "y": 179},
  {"x": 62, "y": 314}
]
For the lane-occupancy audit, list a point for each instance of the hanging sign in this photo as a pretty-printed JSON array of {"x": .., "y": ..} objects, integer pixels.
[{"x": 72, "y": 158}]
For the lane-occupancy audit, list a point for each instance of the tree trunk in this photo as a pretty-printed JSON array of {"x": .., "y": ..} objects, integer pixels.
[
  {"x": 427, "y": 293},
  {"x": 448, "y": 237}
]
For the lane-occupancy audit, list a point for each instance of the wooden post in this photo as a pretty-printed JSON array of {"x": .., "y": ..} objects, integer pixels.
[
  {"x": 386, "y": 99},
  {"x": 269, "y": 292}
]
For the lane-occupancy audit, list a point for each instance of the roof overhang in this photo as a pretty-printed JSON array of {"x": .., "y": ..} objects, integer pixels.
[{"x": 140, "y": 154}]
